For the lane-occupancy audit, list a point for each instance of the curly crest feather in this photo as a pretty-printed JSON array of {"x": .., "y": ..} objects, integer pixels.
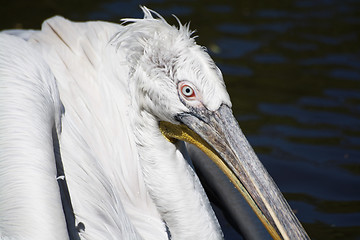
[{"x": 153, "y": 37}]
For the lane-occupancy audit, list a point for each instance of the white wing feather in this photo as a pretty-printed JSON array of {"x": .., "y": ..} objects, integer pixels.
[
  {"x": 29, "y": 112},
  {"x": 98, "y": 147},
  {"x": 97, "y": 142}
]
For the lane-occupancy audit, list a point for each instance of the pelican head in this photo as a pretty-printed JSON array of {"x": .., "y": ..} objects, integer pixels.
[{"x": 177, "y": 84}]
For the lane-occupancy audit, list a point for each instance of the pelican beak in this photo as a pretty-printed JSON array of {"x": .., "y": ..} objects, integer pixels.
[{"x": 218, "y": 134}]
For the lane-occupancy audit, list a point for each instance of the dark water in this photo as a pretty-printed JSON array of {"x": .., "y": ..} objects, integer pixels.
[{"x": 293, "y": 71}]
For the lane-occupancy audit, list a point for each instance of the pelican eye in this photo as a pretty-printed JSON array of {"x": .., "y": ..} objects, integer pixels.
[{"x": 187, "y": 91}]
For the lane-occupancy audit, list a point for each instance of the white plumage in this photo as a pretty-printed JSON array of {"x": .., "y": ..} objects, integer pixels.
[
  {"x": 125, "y": 179},
  {"x": 89, "y": 114}
]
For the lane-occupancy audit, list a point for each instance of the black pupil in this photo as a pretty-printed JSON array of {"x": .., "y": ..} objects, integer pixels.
[{"x": 187, "y": 90}]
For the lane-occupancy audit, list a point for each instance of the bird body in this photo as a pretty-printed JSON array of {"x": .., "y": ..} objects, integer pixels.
[
  {"x": 89, "y": 114},
  {"x": 99, "y": 135}
]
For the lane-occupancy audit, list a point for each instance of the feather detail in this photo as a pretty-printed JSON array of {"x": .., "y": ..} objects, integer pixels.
[{"x": 116, "y": 82}]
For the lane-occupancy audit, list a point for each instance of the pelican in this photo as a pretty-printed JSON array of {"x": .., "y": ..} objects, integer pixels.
[{"x": 93, "y": 120}]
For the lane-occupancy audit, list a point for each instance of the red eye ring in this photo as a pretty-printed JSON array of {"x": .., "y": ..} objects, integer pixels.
[{"x": 187, "y": 91}]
